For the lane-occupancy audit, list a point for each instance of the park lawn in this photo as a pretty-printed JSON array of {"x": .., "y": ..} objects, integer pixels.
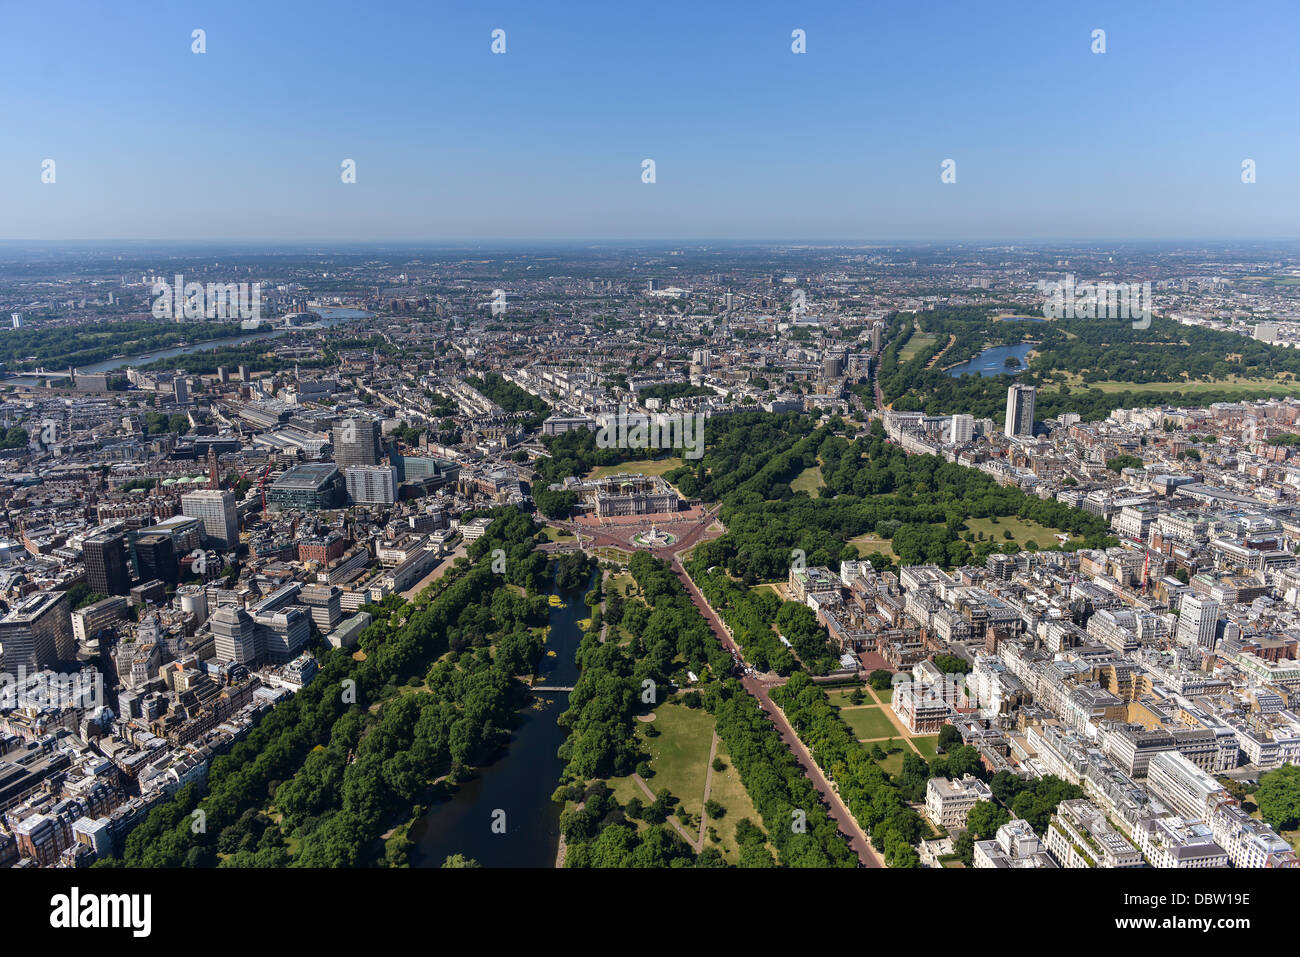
[
  {"x": 554, "y": 534},
  {"x": 625, "y": 789},
  {"x": 916, "y": 344},
  {"x": 620, "y": 584},
  {"x": 1238, "y": 385},
  {"x": 1022, "y": 530},
  {"x": 638, "y": 467},
  {"x": 809, "y": 480},
  {"x": 869, "y": 722},
  {"x": 887, "y": 696},
  {"x": 840, "y": 697},
  {"x": 927, "y": 745},
  {"x": 780, "y": 589},
  {"x": 680, "y": 754},
  {"x": 866, "y": 544},
  {"x": 731, "y": 794},
  {"x": 893, "y": 763}
]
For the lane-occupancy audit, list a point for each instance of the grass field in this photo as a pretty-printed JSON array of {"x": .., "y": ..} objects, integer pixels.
[
  {"x": 780, "y": 589},
  {"x": 916, "y": 344},
  {"x": 870, "y": 722},
  {"x": 554, "y": 534},
  {"x": 893, "y": 763},
  {"x": 867, "y": 544},
  {"x": 1022, "y": 530},
  {"x": 680, "y": 759},
  {"x": 840, "y": 697},
  {"x": 809, "y": 480},
  {"x": 680, "y": 754},
  {"x": 1235, "y": 385},
  {"x": 640, "y": 467},
  {"x": 731, "y": 794},
  {"x": 620, "y": 583},
  {"x": 928, "y": 745}
]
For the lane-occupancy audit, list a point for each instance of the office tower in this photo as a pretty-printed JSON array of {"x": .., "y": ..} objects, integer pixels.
[
  {"x": 281, "y": 634},
  {"x": 832, "y": 366},
  {"x": 106, "y": 568},
  {"x": 963, "y": 428},
  {"x": 37, "y": 632},
  {"x": 243, "y": 374},
  {"x": 1196, "y": 620},
  {"x": 371, "y": 484},
  {"x": 234, "y": 635},
  {"x": 17, "y": 319},
  {"x": 1020, "y": 410},
  {"x": 357, "y": 442},
  {"x": 218, "y": 512},
  {"x": 181, "y": 389},
  {"x": 155, "y": 558},
  {"x": 309, "y": 488}
]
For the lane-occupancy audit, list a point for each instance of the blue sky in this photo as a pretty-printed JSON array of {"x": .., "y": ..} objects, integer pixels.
[{"x": 750, "y": 140}]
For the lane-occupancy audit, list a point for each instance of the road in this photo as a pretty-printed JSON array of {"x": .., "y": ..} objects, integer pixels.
[
  {"x": 434, "y": 575},
  {"x": 836, "y": 807}
]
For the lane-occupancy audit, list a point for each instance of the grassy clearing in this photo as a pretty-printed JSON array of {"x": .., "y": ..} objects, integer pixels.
[
  {"x": 927, "y": 745},
  {"x": 809, "y": 480},
  {"x": 680, "y": 754},
  {"x": 893, "y": 763},
  {"x": 639, "y": 467},
  {"x": 1022, "y": 530},
  {"x": 1281, "y": 385},
  {"x": 870, "y": 722},
  {"x": 731, "y": 794},
  {"x": 554, "y": 534},
  {"x": 866, "y": 544},
  {"x": 916, "y": 344},
  {"x": 840, "y": 698},
  {"x": 620, "y": 584}
]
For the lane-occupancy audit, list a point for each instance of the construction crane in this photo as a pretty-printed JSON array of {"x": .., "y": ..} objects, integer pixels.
[{"x": 261, "y": 485}]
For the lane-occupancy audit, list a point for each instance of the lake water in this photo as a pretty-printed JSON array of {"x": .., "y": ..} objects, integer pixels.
[
  {"x": 992, "y": 361},
  {"x": 521, "y": 781}
]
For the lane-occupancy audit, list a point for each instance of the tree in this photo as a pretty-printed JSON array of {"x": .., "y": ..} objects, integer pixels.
[
  {"x": 460, "y": 860},
  {"x": 984, "y": 819},
  {"x": 948, "y": 735},
  {"x": 951, "y": 664},
  {"x": 1278, "y": 797}
]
